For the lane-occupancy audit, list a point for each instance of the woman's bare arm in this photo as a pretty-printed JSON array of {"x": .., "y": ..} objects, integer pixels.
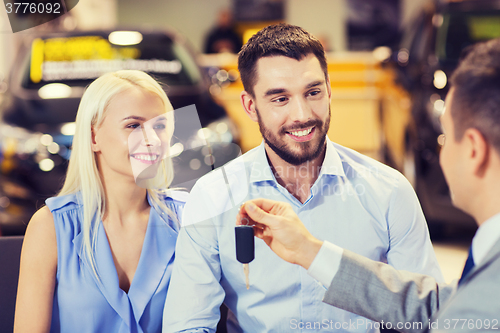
[{"x": 37, "y": 275}]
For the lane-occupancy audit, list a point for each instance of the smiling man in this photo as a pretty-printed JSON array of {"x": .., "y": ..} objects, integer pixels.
[{"x": 340, "y": 195}]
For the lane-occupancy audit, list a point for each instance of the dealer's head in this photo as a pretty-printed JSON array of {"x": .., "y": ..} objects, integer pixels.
[
  {"x": 470, "y": 156},
  {"x": 287, "y": 91}
]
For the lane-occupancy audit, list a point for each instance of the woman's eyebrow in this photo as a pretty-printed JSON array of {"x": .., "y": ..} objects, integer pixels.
[{"x": 134, "y": 117}]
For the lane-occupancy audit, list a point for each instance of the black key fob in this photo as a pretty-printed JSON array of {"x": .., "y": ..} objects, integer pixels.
[{"x": 245, "y": 243}]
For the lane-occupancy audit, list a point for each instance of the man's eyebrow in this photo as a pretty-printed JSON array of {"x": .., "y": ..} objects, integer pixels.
[
  {"x": 276, "y": 91},
  {"x": 315, "y": 84}
]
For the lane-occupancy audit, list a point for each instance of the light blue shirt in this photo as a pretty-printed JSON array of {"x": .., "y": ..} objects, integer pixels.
[{"x": 356, "y": 203}]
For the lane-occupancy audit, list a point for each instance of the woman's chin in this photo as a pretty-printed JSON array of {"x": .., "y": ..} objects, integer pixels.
[{"x": 143, "y": 176}]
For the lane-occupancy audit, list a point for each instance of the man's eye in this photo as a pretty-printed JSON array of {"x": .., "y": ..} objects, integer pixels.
[
  {"x": 280, "y": 100},
  {"x": 314, "y": 92}
]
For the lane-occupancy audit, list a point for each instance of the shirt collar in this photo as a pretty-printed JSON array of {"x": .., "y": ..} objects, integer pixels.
[
  {"x": 261, "y": 170},
  {"x": 332, "y": 165},
  {"x": 485, "y": 237}
]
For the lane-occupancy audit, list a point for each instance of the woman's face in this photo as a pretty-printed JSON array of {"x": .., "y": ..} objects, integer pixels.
[{"x": 132, "y": 139}]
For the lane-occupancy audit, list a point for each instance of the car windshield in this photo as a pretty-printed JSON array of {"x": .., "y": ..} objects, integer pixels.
[
  {"x": 78, "y": 60},
  {"x": 461, "y": 29}
]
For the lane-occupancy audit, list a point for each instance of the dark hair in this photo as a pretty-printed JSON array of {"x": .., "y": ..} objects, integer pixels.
[
  {"x": 476, "y": 99},
  {"x": 278, "y": 39}
]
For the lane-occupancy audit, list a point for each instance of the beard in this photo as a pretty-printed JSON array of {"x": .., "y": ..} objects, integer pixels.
[{"x": 307, "y": 151}]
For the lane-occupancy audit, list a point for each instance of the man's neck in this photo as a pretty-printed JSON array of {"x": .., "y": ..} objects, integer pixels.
[{"x": 297, "y": 179}]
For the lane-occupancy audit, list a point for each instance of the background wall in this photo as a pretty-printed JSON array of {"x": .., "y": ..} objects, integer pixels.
[
  {"x": 323, "y": 18},
  {"x": 194, "y": 18}
]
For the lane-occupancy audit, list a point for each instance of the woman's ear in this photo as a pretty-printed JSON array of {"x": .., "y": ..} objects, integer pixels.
[
  {"x": 94, "y": 142},
  {"x": 248, "y": 103}
]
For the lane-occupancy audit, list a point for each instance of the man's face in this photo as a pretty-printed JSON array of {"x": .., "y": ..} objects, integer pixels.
[
  {"x": 451, "y": 156},
  {"x": 292, "y": 103}
]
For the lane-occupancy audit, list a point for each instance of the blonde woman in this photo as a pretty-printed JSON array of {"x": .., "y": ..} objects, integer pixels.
[{"x": 98, "y": 257}]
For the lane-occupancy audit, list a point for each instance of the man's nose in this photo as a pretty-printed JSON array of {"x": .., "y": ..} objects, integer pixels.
[{"x": 300, "y": 112}]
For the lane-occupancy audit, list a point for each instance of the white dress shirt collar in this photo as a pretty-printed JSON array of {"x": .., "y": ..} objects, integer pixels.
[{"x": 485, "y": 237}]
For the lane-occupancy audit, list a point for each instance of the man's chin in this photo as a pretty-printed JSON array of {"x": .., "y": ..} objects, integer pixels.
[{"x": 296, "y": 157}]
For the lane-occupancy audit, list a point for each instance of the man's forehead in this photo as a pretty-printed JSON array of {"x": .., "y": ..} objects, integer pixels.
[
  {"x": 285, "y": 60},
  {"x": 273, "y": 69}
]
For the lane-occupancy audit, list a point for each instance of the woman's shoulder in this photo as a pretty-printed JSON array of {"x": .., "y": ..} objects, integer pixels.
[
  {"x": 175, "y": 201},
  {"x": 64, "y": 202}
]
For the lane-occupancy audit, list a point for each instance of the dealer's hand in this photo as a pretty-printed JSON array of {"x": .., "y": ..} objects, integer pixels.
[{"x": 277, "y": 224}]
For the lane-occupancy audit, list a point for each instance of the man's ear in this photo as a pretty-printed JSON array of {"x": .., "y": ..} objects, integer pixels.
[
  {"x": 479, "y": 151},
  {"x": 248, "y": 103},
  {"x": 94, "y": 144}
]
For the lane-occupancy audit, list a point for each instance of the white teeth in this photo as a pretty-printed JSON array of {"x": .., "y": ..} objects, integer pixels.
[
  {"x": 146, "y": 157},
  {"x": 302, "y": 133}
]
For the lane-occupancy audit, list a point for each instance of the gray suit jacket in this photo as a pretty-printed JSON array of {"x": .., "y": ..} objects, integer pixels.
[{"x": 417, "y": 303}]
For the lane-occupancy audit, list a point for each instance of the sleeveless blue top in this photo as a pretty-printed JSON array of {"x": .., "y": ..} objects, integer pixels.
[{"x": 85, "y": 303}]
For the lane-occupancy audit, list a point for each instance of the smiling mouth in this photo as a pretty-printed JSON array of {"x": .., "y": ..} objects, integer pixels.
[
  {"x": 301, "y": 133},
  {"x": 146, "y": 158}
]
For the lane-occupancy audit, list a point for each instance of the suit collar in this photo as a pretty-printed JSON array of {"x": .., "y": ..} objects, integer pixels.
[{"x": 492, "y": 255}]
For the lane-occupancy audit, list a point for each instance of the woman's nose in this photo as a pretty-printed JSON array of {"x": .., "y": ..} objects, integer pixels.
[{"x": 150, "y": 137}]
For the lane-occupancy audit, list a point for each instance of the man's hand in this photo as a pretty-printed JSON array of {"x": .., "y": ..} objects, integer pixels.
[{"x": 277, "y": 224}]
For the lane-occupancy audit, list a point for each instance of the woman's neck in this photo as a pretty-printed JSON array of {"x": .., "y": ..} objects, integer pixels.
[{"x": 124, "y": 200}]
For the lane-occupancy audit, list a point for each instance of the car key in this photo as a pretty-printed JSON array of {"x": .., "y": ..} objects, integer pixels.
[{"x": 245, "y": 248}]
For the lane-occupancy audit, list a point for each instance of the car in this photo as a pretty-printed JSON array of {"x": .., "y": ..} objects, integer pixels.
[
  {"x": 429, "y": 52},
  {"x": 46, "y": 84}
]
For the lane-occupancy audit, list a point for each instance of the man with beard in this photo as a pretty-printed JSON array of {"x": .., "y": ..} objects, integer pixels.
[{"x": 340, "y": 195}]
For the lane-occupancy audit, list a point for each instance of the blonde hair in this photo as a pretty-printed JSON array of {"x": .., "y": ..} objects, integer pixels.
[{"x": 83, "y": 175}]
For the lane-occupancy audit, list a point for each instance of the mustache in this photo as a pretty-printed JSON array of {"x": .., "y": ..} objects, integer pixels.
[{"x": 313, "y": 122}]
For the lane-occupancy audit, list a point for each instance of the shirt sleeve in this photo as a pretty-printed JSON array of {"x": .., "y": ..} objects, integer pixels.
[
  {"x": 410, "y": 247},
  {"x": 194, "y": 294},
  {"x": 326, "y": 263}
]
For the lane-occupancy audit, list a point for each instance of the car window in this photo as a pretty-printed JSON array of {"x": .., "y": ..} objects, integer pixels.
[
  {"x": 461, "y": 29},
  {"x": 78, "y": 60}
]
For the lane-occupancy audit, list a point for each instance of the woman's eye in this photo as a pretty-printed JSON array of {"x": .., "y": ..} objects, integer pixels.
[
  {"x": 133, "y": 125},
  {"x": 159, "y": 126}
]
